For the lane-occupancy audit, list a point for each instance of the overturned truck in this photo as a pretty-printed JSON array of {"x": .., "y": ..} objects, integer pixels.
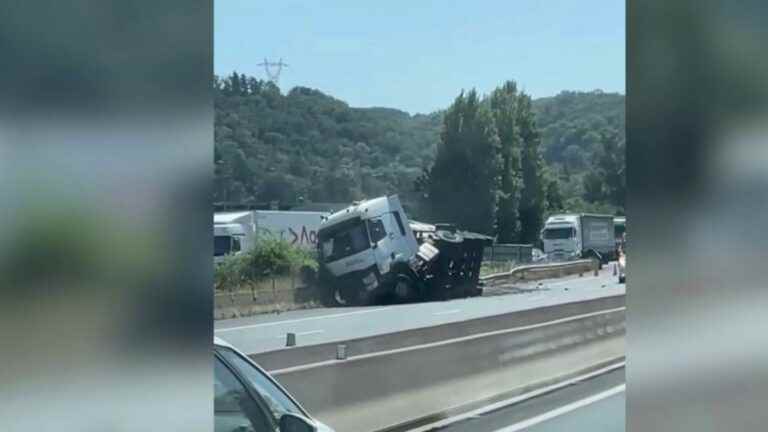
[{"x": 370, "y": 253}]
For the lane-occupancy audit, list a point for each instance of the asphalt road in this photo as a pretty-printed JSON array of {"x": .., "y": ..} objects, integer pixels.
[
  {"x": 594, "y": 405},
  {"x": 317, "y": 326}
]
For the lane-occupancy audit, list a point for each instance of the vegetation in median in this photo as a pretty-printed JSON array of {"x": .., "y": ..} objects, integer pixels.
[{"x": 268, "y": 259}]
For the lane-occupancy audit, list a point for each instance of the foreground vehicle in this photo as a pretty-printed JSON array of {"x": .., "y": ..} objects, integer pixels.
[
  {"x": 371, "y": 251},
  {"x": 247, "y": 399}
]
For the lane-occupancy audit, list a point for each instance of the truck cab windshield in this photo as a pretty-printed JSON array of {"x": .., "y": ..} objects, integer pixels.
[
  {"x": 558, "y": 233},
  {"x": 223, "y": 245},
  {"x": 342, "y": 240}
]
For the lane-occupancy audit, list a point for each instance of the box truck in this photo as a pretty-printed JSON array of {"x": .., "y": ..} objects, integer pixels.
[{"x": 575, "y": 236}]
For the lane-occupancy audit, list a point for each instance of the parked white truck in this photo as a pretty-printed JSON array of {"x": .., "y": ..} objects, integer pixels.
[
  {"x": 233, "y": 232},
  {"x": 574, "y": 236},
  {"x": 370, "y": 251},
  {"x": 239, "y": 231}
]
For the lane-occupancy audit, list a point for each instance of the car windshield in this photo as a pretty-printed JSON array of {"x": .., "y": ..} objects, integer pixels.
[
  {"x": 342, "y": 240},
  {"x": 221, "y": 245},
  {"x": 558, "y": 233}
]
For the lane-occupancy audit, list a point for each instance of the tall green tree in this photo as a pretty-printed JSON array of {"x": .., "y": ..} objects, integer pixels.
[
  {"x": 532, "y": 197},
  {"x": 607, "y": 180},
  {"x": 593, "y": 187},
  {"x": 503, "y": 102},
  {"x": 554, "y": 197},
  {"x": 464, "y": 180},
  {"x": 612, "y": 162}
]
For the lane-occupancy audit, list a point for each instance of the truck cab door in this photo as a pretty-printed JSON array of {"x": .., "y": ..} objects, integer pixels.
[
  {"x": 380, "y": 242},
  {"x": 399, "y": 236}
]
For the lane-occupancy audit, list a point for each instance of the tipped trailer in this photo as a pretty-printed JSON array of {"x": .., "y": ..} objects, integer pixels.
[{"x": 370, "y": 252}]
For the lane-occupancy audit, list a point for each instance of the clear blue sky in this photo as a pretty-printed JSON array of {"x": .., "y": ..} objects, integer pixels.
[{"x": 417, "y": 55}]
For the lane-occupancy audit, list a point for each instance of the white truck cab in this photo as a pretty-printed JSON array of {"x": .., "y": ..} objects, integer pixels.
[
  {"x": 362, "y": 243},
  {"x": 561, "y": 237},
  {"x": 228, "y": 239},
  {"x": 233, "y": 233}
]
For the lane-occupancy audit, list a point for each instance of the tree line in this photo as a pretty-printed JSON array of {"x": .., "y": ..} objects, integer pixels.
[
  {"x": 497, "y": 164},
  {"x": 490, "y": 175}
]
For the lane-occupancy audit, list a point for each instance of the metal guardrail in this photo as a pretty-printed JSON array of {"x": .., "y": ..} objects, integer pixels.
[
  {"x": 583, "y": 265},
  {"x": 502, "y": 252}
]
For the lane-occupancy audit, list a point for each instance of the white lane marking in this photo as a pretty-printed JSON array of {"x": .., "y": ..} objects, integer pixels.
[
  {"x": 517, "y": 399},
  {"x": 282, "y": 336},
  {"x": 563, "y": 409},
  {"x": 452, "y": 311},
  {"x": 267, "y": 324},
  {"x": 445, "y": 342}
]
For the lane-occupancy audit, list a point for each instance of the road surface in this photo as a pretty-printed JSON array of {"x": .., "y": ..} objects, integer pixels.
[
  {"x": 595, "y": 405},
  {"x": 264, "y": 333}
]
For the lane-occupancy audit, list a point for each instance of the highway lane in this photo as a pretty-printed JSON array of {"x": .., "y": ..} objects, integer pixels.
[
  {"x": 605, "y": 415},
  {"x": 594, "y": 405},
  {"x": 268, "y": 332}
]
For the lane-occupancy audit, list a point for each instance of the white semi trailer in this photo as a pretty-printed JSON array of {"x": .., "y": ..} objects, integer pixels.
[{"x": 235, "y": 232}]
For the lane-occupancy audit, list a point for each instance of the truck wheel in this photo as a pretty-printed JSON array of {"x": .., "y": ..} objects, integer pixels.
[
  {"x": 403, "y": 288},
  {"x": 339, "y": 299},
  {"x": 329, "y": 297},
  {"x": 448, "y": 236}
]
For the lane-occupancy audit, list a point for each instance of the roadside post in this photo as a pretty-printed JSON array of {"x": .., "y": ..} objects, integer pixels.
[{"x": 341, "y": 352}]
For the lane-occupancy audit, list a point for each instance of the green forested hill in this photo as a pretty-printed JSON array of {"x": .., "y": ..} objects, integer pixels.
[
  {"x": 273, "y": 147},
  {"x": 306, "y": 145},
  {"x": 571, "y": 123}
]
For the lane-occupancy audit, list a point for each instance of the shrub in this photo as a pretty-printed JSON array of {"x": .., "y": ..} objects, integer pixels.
[
  {"x": 269, "y": 258},
  {"x": 228, "y": 274}
]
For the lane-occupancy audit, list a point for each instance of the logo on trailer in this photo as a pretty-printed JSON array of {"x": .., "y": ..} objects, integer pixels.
[{"x": 304, "y": 237}]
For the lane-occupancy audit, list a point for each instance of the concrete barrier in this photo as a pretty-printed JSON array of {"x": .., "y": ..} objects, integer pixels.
[
  {"x": 318, "y": 353},
  {"x": 378, "y": 390},
  {"x": 272, "y": 295},
  {"x": 541, "y": 271}
]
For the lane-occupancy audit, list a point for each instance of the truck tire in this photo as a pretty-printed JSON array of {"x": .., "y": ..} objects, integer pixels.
[
  {"x": 403, "y": 288},
  {"x": 328, "y": 296},
  {"x": 328, "y": 291},
  {"x": 449, "y": 237},
  {"x": 335, "y": 298}
]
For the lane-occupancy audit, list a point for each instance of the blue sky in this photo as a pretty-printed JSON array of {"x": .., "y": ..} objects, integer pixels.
[{"x": 416, "y": 55}]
